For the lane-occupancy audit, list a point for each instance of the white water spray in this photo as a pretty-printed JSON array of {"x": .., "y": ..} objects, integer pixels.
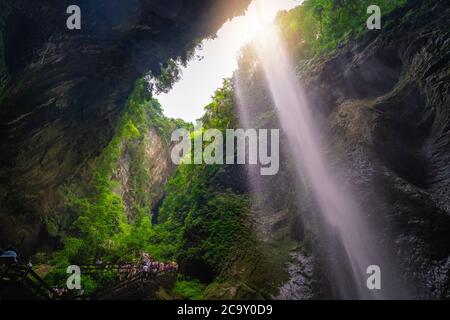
[{"x": 335, "y": 202}]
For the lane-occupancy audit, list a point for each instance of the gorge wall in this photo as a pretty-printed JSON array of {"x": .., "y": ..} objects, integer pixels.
[
  {"x": 382, "y": 101},
  {"x": 83, "y": 142},
  {"x": 64, "y": 90},
  {"x": 385, "y": 102}
]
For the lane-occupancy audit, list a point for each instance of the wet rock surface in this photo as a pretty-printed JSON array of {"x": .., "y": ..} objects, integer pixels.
[
  {"x": 66, "y": 90},
  {"x": 300, "y": 285},
  {"x": 384, "y": 102}
]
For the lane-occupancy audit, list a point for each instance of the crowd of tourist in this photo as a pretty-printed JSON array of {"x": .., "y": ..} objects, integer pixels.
[{"x": 152, "y": 266}]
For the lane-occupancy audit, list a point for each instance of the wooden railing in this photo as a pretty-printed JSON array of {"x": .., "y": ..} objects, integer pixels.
[
  {"x": 14, "y": 275},
  {"x": 132, "y": 281}
]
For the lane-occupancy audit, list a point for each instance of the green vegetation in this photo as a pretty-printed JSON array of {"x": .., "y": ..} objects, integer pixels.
[
  {"x": 103, "y": 226},
  {"x": 203, "y": 220},
  {"x": 170, "y": 74},
  {"x": 189, "y": 289},
  {"x": 319, "y": 26},
  {"x": 200, "y": 220}
]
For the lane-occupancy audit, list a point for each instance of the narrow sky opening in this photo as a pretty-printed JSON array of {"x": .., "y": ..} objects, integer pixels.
[{"x": 203, "y": 76}]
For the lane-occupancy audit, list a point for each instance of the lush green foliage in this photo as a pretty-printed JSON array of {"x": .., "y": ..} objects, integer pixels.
[
  {"x": 189, "y": 289},
  {"x": 169, "y": 75},
  {"x": 102, "y": 227},
  {"x": 170, "y": 72},
  {"x": 220, "y": 113},
  {"x": 318, "y": 26},
  {"x": 199, "y": 220}
]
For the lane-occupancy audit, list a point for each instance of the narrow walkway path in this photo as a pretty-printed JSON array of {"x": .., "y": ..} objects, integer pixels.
[
  {"x": 22, "y": 283},
  {"x": 19, "y": 282},
  {"x": 134, "y": 281}
]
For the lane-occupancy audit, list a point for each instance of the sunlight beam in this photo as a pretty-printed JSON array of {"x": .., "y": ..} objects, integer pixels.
[{"x": 201, "y": 78}]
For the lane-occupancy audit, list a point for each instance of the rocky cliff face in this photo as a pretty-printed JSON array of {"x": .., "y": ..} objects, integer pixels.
[
  {"x": 157, "y": 166},
  {"x": 65, "y": 90},
  {"x": 383, "y": 102}
]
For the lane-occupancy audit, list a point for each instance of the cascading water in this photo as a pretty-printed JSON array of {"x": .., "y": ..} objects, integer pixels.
[{"x": 338, "y": 207}]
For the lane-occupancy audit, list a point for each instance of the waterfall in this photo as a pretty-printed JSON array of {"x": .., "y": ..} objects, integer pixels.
[{"x": 337, "y": 206}]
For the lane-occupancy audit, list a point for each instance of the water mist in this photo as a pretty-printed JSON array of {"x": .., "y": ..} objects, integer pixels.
[{"x": 339, "y": 210}]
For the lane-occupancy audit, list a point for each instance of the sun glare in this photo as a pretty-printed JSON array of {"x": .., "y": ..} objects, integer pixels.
[
  {"x": 219, "y": 59},
  {"x": 259, "y": 15}
]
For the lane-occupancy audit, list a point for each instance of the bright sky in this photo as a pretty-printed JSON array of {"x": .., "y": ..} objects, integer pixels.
[{"x": 201, "y": 78}]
